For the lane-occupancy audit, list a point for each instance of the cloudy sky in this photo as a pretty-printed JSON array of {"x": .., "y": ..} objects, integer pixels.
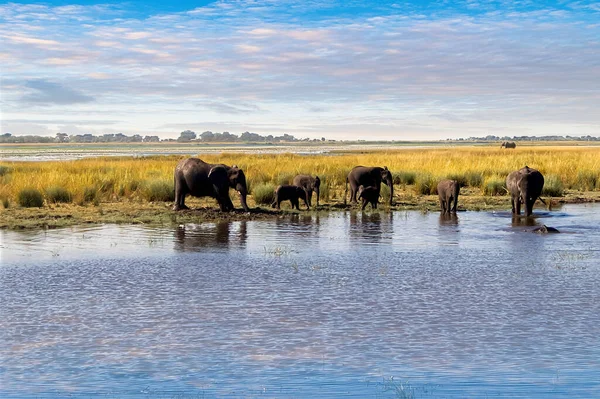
[{"x": 311, "y": 68}]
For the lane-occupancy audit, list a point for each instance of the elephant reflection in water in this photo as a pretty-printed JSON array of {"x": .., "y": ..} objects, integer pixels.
[
  {"x": 518, "y": 221},
  {"x": 371, "y": 226},
  {"x": 448, "y": 219},
  {"x": 195, "y": 237}
]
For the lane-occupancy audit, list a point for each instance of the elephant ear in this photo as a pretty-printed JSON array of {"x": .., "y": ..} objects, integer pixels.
[{"x": 218, "y": 176}]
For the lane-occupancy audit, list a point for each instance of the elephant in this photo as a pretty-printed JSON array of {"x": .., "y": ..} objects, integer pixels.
[
  {"x": 291, "y": 193},
  {"x": 545, "y": 230},
  {"x": 525, "y": 186},
  {"x": 368, "y": 176},
  {"x": 200, "y": 179},
  {"x": 309, "y": 184},
  {"x": 369, "y": 195},
  {"x": 508, "y": 144},
  {"x": 448, "y": 191}
]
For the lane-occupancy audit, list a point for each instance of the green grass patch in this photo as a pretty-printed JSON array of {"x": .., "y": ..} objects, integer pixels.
[
  {"x": 405, "y": 177},
  {"x": 159, "y": 190},
  {"x": 30, "y": 198},
  {"x": 425, "y": 184},
  {"x": 263, "y": 193},
  {"x": 586, "y": 180},
  {"x": 4, "y": 170},
  {"x": 58, "y": 194},
  {"x": 553, "y": 186},
  {"x": 494, "y": 185}
]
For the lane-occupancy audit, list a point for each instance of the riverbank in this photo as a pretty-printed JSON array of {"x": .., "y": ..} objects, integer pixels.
[{"x": 206, "y": 210}]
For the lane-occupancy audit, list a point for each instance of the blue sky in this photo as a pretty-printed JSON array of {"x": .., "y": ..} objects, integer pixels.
[{"x": 344, "y": 70}]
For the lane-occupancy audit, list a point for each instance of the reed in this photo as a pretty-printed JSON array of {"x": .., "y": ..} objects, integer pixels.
[
  {"x": 30, "y": 198},
  {"x": 112, "y": 179},
  {"x": 264, "y": 194}
]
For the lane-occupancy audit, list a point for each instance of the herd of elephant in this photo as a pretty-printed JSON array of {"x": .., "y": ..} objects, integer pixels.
[{"x": 200, "y": 179}]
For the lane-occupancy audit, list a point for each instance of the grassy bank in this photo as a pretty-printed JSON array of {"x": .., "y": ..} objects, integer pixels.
[{"x": 147, "y": 183}]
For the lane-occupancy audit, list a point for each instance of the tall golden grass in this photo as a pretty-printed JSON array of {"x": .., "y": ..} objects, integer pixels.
[{"x": 114, "y": 179}]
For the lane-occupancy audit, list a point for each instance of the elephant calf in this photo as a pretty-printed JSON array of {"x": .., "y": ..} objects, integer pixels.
[
  {"x": 309, "y": 184},
  {"x": 448, "y": 191},
  {"x": 291, "y": 193},
  {"x": 368, "y": 195}
]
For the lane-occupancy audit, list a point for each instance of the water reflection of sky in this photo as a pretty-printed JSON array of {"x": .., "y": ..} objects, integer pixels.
[{"x": 348, "y": 304}]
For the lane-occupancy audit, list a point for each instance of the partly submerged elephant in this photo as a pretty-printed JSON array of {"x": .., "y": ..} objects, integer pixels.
[
  {"x": 309, "y": 184},
  {"x": 448, "y": 191},
  {"x": 368, "y": 176},
  {"x": 292, "y": 193},
  {"x": 525, "y": 186},
  {"x": 200, "y": 179},
  {"x": 368, "y": 195}
]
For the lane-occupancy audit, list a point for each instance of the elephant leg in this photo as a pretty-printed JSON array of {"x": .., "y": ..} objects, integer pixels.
[
  {"x": 518, "y": 206},
  {"x": 512, "y": 204},
  {"x": 179, "y": 197},
  {"x": 374, "y": 204},
  {"x": 455, "y": 204},
  {"x": 364, "y": 204},
  {"x": 309, "y": 196},
  {"x": 442, "y": 205},
  {"x": 295, "y": 203}
]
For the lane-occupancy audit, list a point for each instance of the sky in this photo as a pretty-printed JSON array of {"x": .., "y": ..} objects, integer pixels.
[{"x": 345, "y": 70}]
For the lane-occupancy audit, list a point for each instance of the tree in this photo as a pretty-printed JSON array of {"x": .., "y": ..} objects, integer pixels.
[
  {"x": 207, "y": 136},
  {"x": 61, "y": 138},
  {"x": 187, "y": 135}
]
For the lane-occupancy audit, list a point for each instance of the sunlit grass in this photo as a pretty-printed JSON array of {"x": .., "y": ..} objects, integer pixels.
[{"x": 416, "y": 171}]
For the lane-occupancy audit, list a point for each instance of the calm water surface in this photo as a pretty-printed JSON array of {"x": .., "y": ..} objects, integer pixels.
[{"x": 400, "y": 305}]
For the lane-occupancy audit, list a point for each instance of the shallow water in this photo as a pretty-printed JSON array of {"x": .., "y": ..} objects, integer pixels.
[{"x": 357, "y": 305}]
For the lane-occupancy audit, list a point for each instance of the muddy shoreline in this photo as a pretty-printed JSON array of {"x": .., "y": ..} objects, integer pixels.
[{"x": 161, "y": 214}]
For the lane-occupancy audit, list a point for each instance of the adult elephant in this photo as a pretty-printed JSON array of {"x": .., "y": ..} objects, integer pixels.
[
  {"x": 448, "y": 191},
  {"x": 368, "y": 176},
  {"x": 525, "y": 186},
  {"x": 200, "y": 179},
  {"x": 508, "y": 144},
  {"x": 309, "y": 184}
]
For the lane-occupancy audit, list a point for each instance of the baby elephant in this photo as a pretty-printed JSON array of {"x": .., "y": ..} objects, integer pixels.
[
  {"x": 369, "y": 195},
  {"x": 448, "y": 192},
  {"x": 291, "y": 193}
]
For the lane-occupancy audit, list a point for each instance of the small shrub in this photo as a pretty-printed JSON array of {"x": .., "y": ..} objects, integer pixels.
[
  {"x": 494, "y": 185},
  {"x": 30, "y": 198},
  {"x": 58, "y": 194},
  {"x": 159, "y": 190},
  {"x": 586, "y": 180},
  {"x": 106, "y": 185},
  {"x": 4, "y": 170},
  {"x": 425, "y": 184},
  {"x": 5, "y": 202},
  {"x": 407, "y": 178},
  {"x": 553, "y": 186},
  {"x": 264, "y": 193}
]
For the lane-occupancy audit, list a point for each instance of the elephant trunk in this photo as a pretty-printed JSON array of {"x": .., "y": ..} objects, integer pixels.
[
  {"x": 391, "y": 185},
  {"x": 318, "y": 193},
  {"x": 243, "y": 194}
]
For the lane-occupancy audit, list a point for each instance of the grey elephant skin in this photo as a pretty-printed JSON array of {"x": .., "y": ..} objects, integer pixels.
[
  {"x": 368, "y": 176},
  {"x": 291, "y": 193},
  {"x": 525, "y": 186},
  {"x": 368, "y": 195},
  {"x": 448, "y": 191},
  {"x": 200, "y": 179},
  {"x": 508, "y": 144},
  {"x": 309, "y": 184}
]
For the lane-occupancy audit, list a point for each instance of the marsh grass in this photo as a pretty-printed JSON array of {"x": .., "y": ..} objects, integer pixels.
[
  {"x": 114, "y": 179},
  {"x": 4, "y": 170},
  {"x": 57, "y": 194},
  {"x": 264, "y": 193},
  {"x": 5, "y": 203},
  {"x": 30, "y": 198}
]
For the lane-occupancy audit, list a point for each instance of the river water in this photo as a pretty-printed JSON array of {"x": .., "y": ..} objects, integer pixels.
[{"x": 353, "y": 305}]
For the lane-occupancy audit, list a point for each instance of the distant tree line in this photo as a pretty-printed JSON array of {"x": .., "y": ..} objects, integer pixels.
[
  {"x": 185, "y": 136},
  {"x": 530, "y": 138}
]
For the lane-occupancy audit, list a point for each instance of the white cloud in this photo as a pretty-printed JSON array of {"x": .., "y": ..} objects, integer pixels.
[{"x": 494, "y": 65}]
